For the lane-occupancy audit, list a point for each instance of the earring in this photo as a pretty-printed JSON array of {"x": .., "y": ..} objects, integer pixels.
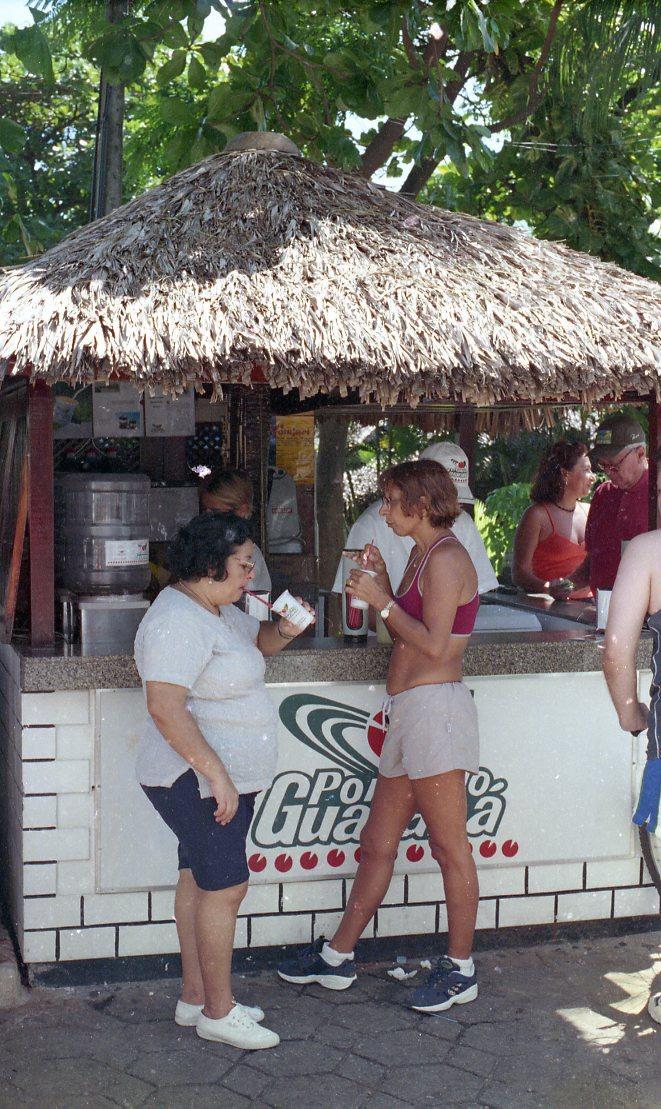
[{"x": 210, "y": 580}]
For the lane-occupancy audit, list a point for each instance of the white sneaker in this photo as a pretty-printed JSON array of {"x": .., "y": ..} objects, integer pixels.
[
  {"x": 187, "y": 1015},
  {"x": 237, "y": 1029}
]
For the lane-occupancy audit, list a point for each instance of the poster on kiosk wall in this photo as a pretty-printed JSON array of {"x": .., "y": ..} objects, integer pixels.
[{"x": 557, "y": 783}]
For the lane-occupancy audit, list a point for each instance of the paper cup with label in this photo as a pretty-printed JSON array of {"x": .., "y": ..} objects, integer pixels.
[
  {"x": 355, "y": 602},
  {"x": 603, "y": 602},
  {"x": 291, "y": 609}
]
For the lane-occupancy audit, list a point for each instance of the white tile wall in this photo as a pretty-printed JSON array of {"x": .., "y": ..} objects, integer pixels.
[
  {"x": 87, "y": 943},
  {"x": 38, "y": 743},
  {"x": 39, "y": 947},
  {"x": 486, "y": 914},
  {"x": 74, "y": 810},
  {"x": 525, "y": 910},
  {"x": 39, "y": 812},
  {"x": 563, "y": 876},
  {"x": 326, "y": 924},
  {"x": 51, "y": 912},
  {"x": 107, "y": 908},
  {"x": 426, "y": 887},
  {"x": 613, "y": 872},
  {"x": 502, "y": 881},
  {"x": 68, "y": 776},
  {"x": 162, "y": 905},
  {"x": 147, "y": 939},
  {"x": 270, "y": 930},
  {"x": 39, "y": 878},
  {"x": 75, "y": 876},
  {"x": 75, "y": 741},
  {"x": 591, "y": 905},
  {"x": 394, "y": 893},
  {"x": 64, "y": 707},
  {"x": 58, "y": 843},
  {"x": 261, "y": 899},
  {"x": 301, "y": 896},
  {"x": 406, "y": 920},
  {"x": 636, "y": 902}
]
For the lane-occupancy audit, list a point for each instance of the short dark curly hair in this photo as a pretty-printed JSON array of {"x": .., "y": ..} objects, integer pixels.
[{"x": 202, "y": 547}]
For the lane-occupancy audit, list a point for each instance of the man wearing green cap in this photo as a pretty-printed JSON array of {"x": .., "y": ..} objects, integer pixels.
[{"x": 620, "y": 507}]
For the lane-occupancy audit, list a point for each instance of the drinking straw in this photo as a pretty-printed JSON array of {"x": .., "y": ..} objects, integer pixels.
[{"x": 258, "y": 598}]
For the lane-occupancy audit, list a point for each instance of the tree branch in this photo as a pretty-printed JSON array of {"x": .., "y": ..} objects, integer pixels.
[
  {"x": 420, "y": 174},
  {"x": 534, "y": 95},
  {"x": 381, "y": 146}
]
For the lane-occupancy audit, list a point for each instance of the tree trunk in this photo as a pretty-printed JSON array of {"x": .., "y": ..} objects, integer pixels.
[
  {"x": 330, "y": 501},
  {"x": 108, "y": 159}
]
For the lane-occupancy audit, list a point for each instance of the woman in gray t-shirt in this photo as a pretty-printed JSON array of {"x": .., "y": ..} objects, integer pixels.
[{"x": 208, "y": 747}]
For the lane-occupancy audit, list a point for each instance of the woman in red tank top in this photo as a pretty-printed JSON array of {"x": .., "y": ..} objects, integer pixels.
[
  {"x": 431, "y": 741},
  {"x": 549, "y": 547}
]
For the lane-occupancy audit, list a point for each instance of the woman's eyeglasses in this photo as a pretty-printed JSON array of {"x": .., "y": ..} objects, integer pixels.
[{"x": 247, "y": 566}]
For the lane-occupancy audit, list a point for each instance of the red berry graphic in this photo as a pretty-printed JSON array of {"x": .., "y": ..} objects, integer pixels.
[
  {"x": 308, "y": 860},
  {"x": 335, "y": 857},
  {"x": 376, "y": 733},
  {"x": 283, "y": 863},
  {"x": 415, "y": 852},
  {"x": 356, "y": 854},
  {"x": 487, "y": 849},
  {"x": 257, "y": 862},
  {"x": 510, "y": 848}
]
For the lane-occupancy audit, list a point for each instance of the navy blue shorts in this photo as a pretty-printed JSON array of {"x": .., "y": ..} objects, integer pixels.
[{"x": 215, "y": 853}]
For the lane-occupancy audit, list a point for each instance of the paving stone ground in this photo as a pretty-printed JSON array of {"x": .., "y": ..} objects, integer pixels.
[{"x": 555, "y": 1025}]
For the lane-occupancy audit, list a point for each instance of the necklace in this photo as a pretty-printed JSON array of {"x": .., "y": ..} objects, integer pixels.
[
  {"x": 563, "y": 509},
  {"x": 200, "y": 600}
]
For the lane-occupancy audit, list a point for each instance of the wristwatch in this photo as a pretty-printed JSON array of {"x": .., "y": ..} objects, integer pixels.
[{"x": 387, "y": 609}]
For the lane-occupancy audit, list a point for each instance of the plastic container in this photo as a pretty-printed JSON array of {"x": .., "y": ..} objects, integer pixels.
[{"x": 291, "y": 609}]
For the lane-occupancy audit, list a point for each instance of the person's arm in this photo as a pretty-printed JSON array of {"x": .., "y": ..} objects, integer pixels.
[
  {"x": 443, "y": 583},
  {"x": 274, "y": 637},
  {"x": 166, "y": 704},
  {"x": 629, "y": 606}
]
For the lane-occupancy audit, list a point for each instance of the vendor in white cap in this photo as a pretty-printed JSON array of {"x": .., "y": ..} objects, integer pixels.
[{"x": 370, "y": 527}]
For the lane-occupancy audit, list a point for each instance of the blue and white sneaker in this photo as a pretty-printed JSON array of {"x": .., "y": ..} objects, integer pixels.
[
  {"x": 445, "y": 986},
  {"x": 308, "y": 966}
]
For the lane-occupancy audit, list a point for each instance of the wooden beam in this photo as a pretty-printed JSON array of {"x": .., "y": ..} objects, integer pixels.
[
  {"x": 654, "y": 416},
  {"x": 41, "y": 515}
]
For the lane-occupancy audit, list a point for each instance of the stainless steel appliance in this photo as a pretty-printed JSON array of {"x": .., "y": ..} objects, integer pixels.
[
  {"x": 102, "y": 533},
  {"x": 102, "y": 558}
]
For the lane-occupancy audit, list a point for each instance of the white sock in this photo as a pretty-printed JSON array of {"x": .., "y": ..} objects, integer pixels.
[
  {"x": 466, "y": 966},
  {"x": 332, "y": 957}
]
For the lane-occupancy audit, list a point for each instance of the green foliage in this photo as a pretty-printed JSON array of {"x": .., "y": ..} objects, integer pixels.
[
  {"x": 329, "y": 75},
  {"x": 497, "y": 518}
]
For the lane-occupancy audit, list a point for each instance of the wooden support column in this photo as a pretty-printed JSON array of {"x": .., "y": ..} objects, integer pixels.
[
  {"x": 468, "y": 442},
  {"x": 654, "y": 416},
  {"x": 41, "y": 515}
]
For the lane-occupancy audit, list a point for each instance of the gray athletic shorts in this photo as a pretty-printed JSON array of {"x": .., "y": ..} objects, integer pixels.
[{"x": 431, "y": 729}]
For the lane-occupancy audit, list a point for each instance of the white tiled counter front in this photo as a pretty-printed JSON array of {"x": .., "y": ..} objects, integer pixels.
[{"x": 89, "y": 868}]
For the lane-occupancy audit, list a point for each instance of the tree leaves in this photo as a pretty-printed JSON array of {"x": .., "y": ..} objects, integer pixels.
[
  {"x": 12, "y": 136},
  {"x": 30, "y": 46}
]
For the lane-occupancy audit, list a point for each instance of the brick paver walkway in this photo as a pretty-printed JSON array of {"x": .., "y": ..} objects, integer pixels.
[{"x": 555, "y": 1025}]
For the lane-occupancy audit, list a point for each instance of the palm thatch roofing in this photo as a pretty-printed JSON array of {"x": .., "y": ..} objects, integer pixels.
[{"x": 325, "y": 281}]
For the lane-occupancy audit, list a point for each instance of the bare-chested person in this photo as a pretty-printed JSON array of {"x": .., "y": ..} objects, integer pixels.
[{"x": 432, "y": 737}]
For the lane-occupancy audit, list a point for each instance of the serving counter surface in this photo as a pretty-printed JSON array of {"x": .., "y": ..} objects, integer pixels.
[{"x": 324, "y": 660}]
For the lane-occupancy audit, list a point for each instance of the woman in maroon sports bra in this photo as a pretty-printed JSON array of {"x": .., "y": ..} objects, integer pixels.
[{"x": 432, "y": 738}]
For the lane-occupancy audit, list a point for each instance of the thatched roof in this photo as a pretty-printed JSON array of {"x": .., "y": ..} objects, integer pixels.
[{"x": 325, "y": 280}]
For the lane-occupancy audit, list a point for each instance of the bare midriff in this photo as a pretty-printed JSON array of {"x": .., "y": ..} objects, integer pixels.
[{"x": 409, "y": 667}]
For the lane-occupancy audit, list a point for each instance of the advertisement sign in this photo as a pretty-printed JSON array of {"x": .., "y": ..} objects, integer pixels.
[
  {"x": 117, "y": 410},
  {"x": 72, "y": 411},
  {"x": 556, "y": 782},
  {"x": 537, "y": 797},
  {"x": 166, "y": 415},
  {"x": 294, "y": 447}
]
